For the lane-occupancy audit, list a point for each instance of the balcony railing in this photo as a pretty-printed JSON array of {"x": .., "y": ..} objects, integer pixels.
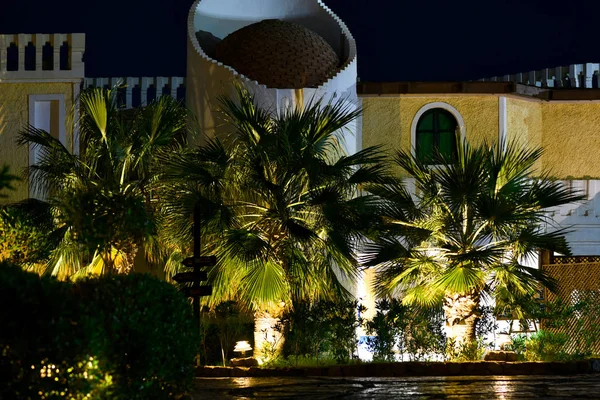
[{"x": 56, "y": 56}]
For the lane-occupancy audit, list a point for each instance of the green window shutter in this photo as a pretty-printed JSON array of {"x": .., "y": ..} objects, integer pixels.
[
  {"x": 436, "y": 131},
  {"x": 425, "y": 145}
]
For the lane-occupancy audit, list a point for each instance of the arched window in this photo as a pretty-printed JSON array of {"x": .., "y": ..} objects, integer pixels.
[{"x": 436, "y": 131}]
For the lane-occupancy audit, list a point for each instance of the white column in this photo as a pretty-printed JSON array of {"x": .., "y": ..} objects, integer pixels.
[
  {"x": 39, "y": 45},
  {"x": 129, "y": 92},
  {"x": 589, "y": 72},
  {"x": 57, "y": 41},
  {"x": 574, "y": 71},
  {"x": 3, "y": 45},
  {"x": 146, "y": 82},
  {"x": 558, "y": 75},
  {"x": 77, "y": 48},
  {"x": 161, "y": 82},
  {"x": 531, "y": 78},
  {"x": 502, "y": 118},
  {"x": 174, "y": 86},
  {"x": 101, "y": 82},
  {"x": 21, "y": 49}
]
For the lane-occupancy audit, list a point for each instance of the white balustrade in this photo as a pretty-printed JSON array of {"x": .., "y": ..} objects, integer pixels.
[
  {"x": 574, "y": 76},
  {"x": 22, "y": 56},
  {"x": 141, "y": 86}
]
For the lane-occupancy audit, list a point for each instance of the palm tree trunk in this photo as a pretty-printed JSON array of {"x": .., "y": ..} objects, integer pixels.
[
  {"x": 268, "y": 341},
  {"x": 109, "y": 262},
  {"x": 462, "y": 314}
]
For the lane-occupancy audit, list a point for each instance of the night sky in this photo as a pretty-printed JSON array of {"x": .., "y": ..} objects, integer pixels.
[{"x": 398, "y": 40}]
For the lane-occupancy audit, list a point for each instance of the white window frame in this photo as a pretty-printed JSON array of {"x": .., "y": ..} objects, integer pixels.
[
  {"x": 423, "y": 110},
  {"x": 62, "y": 129}
]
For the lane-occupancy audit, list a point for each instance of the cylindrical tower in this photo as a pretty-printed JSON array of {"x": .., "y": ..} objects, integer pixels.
[{"x": 286, "y": 52}]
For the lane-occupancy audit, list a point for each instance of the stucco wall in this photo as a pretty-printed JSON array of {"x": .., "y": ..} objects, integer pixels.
[
  {"x": 571, "y": 139},
  {"x": 524, "y": 124},
  {"x": 14, "y": 115},
  {"x": 388, "y": 120}
]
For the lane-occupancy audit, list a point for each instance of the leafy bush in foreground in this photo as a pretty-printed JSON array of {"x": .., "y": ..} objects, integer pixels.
[{"x": 113, "y": 337}]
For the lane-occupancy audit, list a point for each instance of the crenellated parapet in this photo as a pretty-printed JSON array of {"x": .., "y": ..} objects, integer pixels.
[
  {"x": 583, "y": 76},
  {"x": 40, "y": 56},
  {"x": 139, "y": 91}
]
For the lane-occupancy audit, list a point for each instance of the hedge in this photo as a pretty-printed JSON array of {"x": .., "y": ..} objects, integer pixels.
[{"x": 114, "y": 337}]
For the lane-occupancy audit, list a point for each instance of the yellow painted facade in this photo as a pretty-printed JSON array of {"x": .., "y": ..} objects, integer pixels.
[
  {"x": 569, "y": 132},
  {"x": 524, "y": 124},
  {"x": 14, "y": 115},
  {"x": 571, "y": 139},
  {"x": 388, "y": 120}
]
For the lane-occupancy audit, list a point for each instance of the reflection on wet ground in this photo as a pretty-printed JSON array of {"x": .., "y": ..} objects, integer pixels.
[{"x": 467, "y": 387}]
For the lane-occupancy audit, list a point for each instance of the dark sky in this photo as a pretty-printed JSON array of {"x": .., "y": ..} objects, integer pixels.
[{"x": 398, "y": 40}]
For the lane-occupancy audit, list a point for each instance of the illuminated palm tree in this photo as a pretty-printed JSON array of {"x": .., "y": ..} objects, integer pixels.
[
  {"x": 279, "y": 203},
  {"x": 101, "y": 196},
  {"x": 464, "y": 230}
]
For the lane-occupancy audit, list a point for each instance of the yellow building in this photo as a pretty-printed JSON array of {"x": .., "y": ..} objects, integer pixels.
[
  {"x": 565, "y": 122},
  {"x": 40, "y": 76}
]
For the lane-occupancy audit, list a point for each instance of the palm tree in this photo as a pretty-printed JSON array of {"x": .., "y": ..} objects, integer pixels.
[
  {"x": 462, "y": 233},
  {"x": 6, "y": 179},
  {"x": 101, "y": 197},
  {"x": 279, "y": 203}
]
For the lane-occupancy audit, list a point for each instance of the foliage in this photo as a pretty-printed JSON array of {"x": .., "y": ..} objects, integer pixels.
[
  {"x": 278, "y": 202},
  {"x": 6, "y": 180},
  {"x": 570, "y": 329},
  {"x": 546, "y": 346},
  {"x": 406, "y": 331},
  {"x": 117, "y": 337},
  {"x": 487, "y": 322},
  {"x": 518, "y": 344},
  {"x": 26, "y": 234},
  {"x": 142, "y": 332},
  {"x": 321, "y": 331},
  {"x": 465, "y": 350},
  {"x": 39, "y": 330},
  {"x": 101, "y": 197},
  {"x": 464, "y": 230},
  {"x": 220, "y": 329}
]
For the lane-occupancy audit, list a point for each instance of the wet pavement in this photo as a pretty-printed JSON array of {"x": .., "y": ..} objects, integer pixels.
[{"x": 464, "y": 387}]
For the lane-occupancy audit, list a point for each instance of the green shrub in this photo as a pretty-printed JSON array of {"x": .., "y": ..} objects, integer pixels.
[
  {"x": 113, "y": 337},
  {"x": 321, "y": 331},
  {"x": 38, "y": 330},
  {"x": 546, "y": 346},
  {"x": 410, "y": 331},
  {"x": 518, "y": 344},
  {"x": 142, "y": 332},
  {"x": 465, "y": 351},
  {"x": 27, "y": 234}
]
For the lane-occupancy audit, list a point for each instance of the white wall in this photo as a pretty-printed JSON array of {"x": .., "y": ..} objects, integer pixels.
[{"x": 582, "y": 219}]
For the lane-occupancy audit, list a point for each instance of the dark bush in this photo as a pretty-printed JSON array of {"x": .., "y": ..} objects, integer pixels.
[
  {"x": 114, "y": 337},
  {"x": 38, "y": 330},
  {"x": 220, "y": 329},
  {"x": 27, "y": 233},
  {"x": 325, "y": 329},
  {"x": 406, "y": 331},
  {"x": 141, "y": 331}
]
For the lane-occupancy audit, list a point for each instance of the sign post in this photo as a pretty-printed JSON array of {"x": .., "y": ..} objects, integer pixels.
[{"x": 196, "y": 275}]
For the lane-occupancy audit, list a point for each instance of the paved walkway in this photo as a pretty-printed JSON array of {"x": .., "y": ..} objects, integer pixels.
[{"x": 478, "y": 387}]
